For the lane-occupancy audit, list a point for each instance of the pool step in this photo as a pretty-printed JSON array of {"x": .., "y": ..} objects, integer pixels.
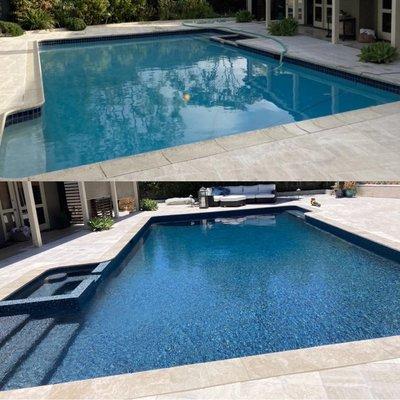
[
  {"x": 39, "y": 365},
  {"x": 18, "y": 347},
  {"x": 10, "y": 325}
]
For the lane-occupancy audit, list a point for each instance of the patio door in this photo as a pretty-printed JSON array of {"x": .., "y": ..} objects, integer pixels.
[
  {"x": 8, "y": 209},
  {"x": 385, "y": 19},
  {"x": 322, "y": 13},
  {"x": 40, "y": 202},
  {"x": 290, "y": 10}
]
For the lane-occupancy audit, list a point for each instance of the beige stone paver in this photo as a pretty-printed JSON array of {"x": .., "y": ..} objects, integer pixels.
[
  {"x": 267, "y": 154},
  {"x": 363, "y": 369}
]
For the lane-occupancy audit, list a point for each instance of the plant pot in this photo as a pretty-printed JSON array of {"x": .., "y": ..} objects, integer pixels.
[
  {"x": 339, "y": 193},
  {"x": 350, "y": 192}
]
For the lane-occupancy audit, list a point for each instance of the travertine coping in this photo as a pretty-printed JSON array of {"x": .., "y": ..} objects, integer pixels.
[
  {"x": 224, "y": 154},
  {"x": 142, "y": 218},
  {"x": 203, "y": 375}
]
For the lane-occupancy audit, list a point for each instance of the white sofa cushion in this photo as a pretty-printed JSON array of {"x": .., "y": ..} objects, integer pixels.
[
  {"x": 227, "y": 199},
  {"x": 265, "y": 196},
  {"x": 262, "y": 188},
  {"x": 250, "y": 196},
  {"x": 235, "y": 189},
  {"x": 218, "y": 198},
  {"x": 250, "y": 189},
  {"x": 175, "y": 201}
]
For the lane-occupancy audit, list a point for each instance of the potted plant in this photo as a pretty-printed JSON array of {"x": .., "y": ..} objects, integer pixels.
[
  {"x": 338, "y": 189},
  {"x": 350, "y": 189}
]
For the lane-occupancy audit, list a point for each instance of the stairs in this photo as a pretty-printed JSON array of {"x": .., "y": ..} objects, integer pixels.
[
  {"x": 31, "y": 349},
  {"x": 9, "y": 325},
  {"x": 39, "y": 366}
]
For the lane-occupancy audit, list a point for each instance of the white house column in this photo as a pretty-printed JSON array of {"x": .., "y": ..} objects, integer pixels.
[
  {"x": 335, "y": 21},
  {"x": 267, "y": 12},
  {"x": 396, "y": 23},
  {"x": 84, "y": 203},
  {"x": 250, "y": 6},
  {"x": 32, "y": 215},
  {"x": 114, "y": 197},
  {"x": 136, "y": 195}
]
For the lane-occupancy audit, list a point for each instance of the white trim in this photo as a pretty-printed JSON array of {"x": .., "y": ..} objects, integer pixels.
[
  {"x": 395, "y": 37},
  {"x": 114, "y": 197},
  {"x": 381, "y": 11},
  {"x": 32, "y": 214}
]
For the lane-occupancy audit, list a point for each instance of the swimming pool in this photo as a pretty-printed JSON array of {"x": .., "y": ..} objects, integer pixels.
[
  {"x": 194, "y": 290},
  {"x": 109, "y": 99}
]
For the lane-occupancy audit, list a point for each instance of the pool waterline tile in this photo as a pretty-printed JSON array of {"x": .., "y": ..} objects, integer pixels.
[{"x": 83, "y": 170}]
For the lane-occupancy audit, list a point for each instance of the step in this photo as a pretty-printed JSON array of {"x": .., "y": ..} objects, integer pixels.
[
  {"x": 10, "y": 324},
  {"x": 40, "y": 364},
  {"x": 20, "y": 344}
]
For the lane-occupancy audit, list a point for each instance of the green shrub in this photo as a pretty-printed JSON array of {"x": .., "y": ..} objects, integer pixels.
[
  {"x": 75, "y": 24},
  {"x": 244, "y": 16},
  {"x": 10, "y": 29},
  {"x": 130, "y": 10},
  {"x": 100, "y": 224},
  {"x": 36, "y": 18},
  {"x": 185, "y": 9},
  {"x": 284, "y": 27},
  {"x": 148, "y": 205},
  {"x": 379, "y": 53}
]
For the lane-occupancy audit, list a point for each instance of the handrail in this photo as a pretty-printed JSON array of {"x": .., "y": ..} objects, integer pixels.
[{"x": 282, "y": 53}]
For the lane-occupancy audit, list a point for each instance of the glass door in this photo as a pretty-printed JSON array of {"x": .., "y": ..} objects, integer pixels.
[
  {"x": 319, "y": 13},
  {"x": 385, "y": 19},
  {"x": 300, "y": 12},
  {"x": 40, "y": 202},
  {"x": 8, "y": 208}
]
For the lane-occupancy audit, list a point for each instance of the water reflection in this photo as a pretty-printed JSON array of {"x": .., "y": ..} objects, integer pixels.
[{"x": 114, "y": 99}]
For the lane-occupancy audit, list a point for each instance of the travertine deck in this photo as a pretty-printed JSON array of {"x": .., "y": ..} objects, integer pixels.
[
  {"x": 360, "y": 145},
  {"x": 365, "y": 369}
]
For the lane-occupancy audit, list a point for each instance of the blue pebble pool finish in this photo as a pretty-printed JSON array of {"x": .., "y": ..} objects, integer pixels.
[
  {"x": 199, "y": 291},
  {"x": 110, "y": 99}
]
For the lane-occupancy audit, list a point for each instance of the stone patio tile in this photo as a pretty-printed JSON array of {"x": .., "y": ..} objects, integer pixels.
[
  {"x": 318, "y": 124},
  {"x": 137, "y": 163},
  {"x": 232, "y": 142},
  {"x": 192, "y": 151}
]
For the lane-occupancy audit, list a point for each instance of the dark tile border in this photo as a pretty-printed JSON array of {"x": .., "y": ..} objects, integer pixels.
[
  {"x": 367, "y": 244},
  {"x": 77, "y": 299},
  {"x": 22, "y": 116},
  {"x": 328, "y": 70}
]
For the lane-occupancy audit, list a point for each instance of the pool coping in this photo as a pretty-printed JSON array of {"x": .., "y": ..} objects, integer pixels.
[
  {"x": 121, "y": 166},
  {"x": 222, "y": 372}
]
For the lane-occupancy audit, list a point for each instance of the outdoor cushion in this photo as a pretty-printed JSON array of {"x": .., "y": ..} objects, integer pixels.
[
  {"x": 218, "y": 198},
  {"x": 250, "y": 189},
  {"x": 250, "y": 196},
  {"x": 174, "y": 201},
  {"x": 235, "y": 189},
  {"x": 265, "y": 196},
  {"x": 227, "y": 199},
  {"x": 220, "y": 191},
  {"x": 262, "y": 188}
]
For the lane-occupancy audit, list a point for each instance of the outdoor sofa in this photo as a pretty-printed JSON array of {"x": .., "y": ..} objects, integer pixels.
[{"x": 240, "y": 195}]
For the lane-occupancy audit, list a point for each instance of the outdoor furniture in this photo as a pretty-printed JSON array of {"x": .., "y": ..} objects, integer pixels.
[
  {"x": 176, "y": 201},
  {"x": 263, "y": 193},
  {"x": 233, "y": 201}
]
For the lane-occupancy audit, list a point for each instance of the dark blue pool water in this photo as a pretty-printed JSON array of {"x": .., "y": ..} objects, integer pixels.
[
  {"x": 118, "y": 98},
  {"x": 217, "y": 289}
]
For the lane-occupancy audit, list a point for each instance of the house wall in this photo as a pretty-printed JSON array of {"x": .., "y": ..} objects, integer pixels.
[
  {"x": 53, "y": 203},
  {"x": 97, "y": 190}
]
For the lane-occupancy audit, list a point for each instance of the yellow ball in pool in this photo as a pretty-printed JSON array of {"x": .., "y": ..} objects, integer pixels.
[{"x": 186, "y": 97}]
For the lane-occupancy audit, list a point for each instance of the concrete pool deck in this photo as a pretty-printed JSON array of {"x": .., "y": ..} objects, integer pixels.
[
  {"x": 364, "y": 369},
  {"x": 358, "y": 145}
]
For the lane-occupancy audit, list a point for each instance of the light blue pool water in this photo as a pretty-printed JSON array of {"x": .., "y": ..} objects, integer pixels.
[
  {"x": 118, "y": 98},
  {"x": 216, "y": 289}
]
